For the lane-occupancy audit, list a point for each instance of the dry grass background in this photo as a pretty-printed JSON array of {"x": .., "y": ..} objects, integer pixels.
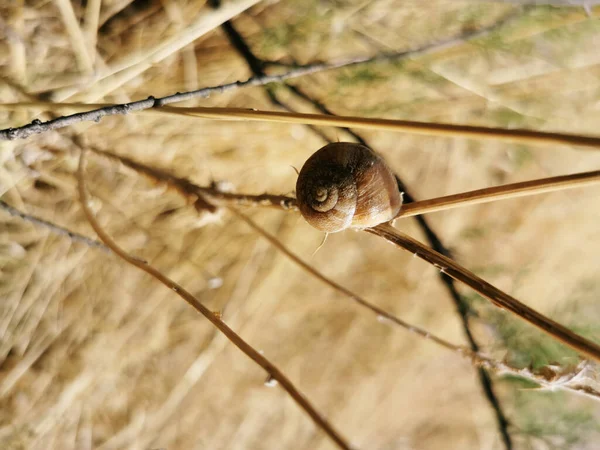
[{"x": 95, "y": 354}]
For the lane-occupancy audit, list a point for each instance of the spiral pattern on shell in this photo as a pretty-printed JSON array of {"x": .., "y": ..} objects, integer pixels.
[{"x": 346, "y": 185}]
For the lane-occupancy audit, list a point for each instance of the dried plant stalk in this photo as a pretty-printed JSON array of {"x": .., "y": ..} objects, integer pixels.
[
  {"x": 246, "y": 348},
  {"x": 57, "y": 229},
  {"x": 551, "y": 377},
  {"x": 430, "y": 129},
  {"x": 132, "y": 65},
  {"x": 90, "y": 28},
  {"x": 212, "y": 193},
  {"x": 76, "y": 36},
  {"x": 157, "y": 105},
  {"x": 506, "y": 191},
  {"x": 496, "y": 296}
]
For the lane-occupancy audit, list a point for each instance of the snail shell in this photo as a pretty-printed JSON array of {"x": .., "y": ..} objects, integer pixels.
[{"x": 345, "y": 185}]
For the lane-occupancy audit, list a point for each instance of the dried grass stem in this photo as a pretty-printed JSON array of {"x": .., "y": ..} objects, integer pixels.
[
  {"x": 495, "y": 295},
  {"x": 246, "y": 348}
]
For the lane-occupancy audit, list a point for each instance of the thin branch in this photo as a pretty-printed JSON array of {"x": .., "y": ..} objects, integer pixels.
[
  {"x": 213, "y": 193},
  {"x": 57, "y": 229},
  {"x": 495, "y": 295},
  {"x": 506, "y": 191},
  {"x": 37, "y": 127},
  {"x": 550, "y": 377},
  {"x": 422, "y": 128},
  {"x": 463, "y": 311},
  {"x": 246, "y": 348},
  {"x": 464, "y": 314}
]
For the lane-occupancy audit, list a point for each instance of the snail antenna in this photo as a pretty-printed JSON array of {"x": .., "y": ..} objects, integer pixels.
[{"x": 295, "y": 170}]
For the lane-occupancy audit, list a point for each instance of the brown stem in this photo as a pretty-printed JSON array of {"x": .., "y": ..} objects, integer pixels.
[
  {"x": 424, "y": 128},
  {"x": 500, "y": 193},
  {"x": 246, "y": 348},
  {"x": 545, "y": 379},
  {"x": 57, "y": 229},
  {"x": 484, "y": 195},
  {"x": 212, "y": 193},
  {"x": 496, "y": 296},
  {"x": 392, "y": 125}
]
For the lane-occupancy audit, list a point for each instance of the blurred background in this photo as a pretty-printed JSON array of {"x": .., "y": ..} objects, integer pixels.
[{"x": 94, "y": 354}]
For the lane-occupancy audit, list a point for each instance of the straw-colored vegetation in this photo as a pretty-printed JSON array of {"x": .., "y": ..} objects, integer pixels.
[{"x": 96, "y": 354}]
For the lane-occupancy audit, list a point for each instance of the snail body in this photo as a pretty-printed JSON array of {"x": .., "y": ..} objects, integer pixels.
[{"x": 347, "y": 185}]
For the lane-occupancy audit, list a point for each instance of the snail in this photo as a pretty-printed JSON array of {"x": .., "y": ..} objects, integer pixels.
[{"x": 347, "y": 185}]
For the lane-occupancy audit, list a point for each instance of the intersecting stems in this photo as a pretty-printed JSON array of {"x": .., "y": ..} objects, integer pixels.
[
  {"x": 495, "y": 295},
  {"x": 237, "y": 340}
]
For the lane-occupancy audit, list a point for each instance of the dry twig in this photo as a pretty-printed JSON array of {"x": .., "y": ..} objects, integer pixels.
[
  {"x": 429, "y": 129},
  {"x": 382, "y": 315},
  {"x": 506, "y": 191},
  {"x": 495, "y": 295},
  {"x": 57, "y": 229},
  {"x": 246, "y": 348}
]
